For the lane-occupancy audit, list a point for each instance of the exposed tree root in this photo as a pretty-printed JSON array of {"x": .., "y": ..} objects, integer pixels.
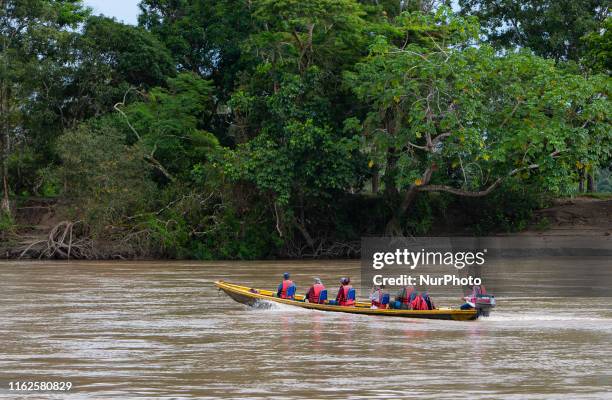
[{"x": 64, "y": 241}]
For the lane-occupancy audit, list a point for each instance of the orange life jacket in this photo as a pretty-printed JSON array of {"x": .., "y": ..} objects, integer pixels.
[
  {"x": 316, "y": 292},
  {"x": 287, "y": 283},
  {"x": 344, "y": 300}
]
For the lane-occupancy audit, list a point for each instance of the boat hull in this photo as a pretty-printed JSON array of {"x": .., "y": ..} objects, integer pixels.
[{"x": 262, "y": 298}]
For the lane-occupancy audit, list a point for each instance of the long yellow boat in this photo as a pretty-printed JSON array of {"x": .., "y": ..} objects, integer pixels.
[{"x": 252, "y": 297}]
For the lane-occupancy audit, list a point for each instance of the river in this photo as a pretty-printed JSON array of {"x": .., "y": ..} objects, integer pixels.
[{"x": 161, "y": 330}]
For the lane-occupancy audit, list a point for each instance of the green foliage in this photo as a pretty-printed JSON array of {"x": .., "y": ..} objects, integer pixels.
[
  {"x": 239, "y": 237},
  {"x": 103, "y": 174},
  {"x": 256, "y": 129},
  {"x": 468, "y": 117},
  {"x": 551, "y": 28},
  {"x": 51, "y": 186},
  {"x": 604, "y": 180},
  {"x": 64, "y": 67},
  {"x": 168, "y": 238},
  {"x": 24, "y": 163},
  {"x": 420, "y": 219},
  {"x": 170, "y": 123},
  {"x": 7, "y": 225},
  {"x": 299, "y": 34},
  {"x": 304, "y": 158},
  {"x": 598, "y": 44},
  {"x": 543, "y": 224},
  {"x": 203, "y": 36},
  {"x": 290, "y": 143},
  {"x": 128, "y": 54},
  {"x": 507, "y": 210},
  {"x": 35, "y": 37}
]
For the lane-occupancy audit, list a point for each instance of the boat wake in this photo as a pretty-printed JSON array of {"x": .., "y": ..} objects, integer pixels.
[{"x": 270, "y": 306}]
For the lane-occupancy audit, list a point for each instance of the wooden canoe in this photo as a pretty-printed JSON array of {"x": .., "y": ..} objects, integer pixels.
[{"x": 254, "y": 297}]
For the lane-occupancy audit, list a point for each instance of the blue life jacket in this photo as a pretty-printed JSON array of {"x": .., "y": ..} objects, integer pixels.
[
  {"x": 413, "y": 295},
  {"x": 291, "y": 292},
  {"x": 427, "y": 300},
  {"x": 322, "y": 296}
]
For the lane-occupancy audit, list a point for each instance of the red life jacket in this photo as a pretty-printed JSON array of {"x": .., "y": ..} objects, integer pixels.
[
  {"x": 287, "y": 283},
  {"x": 429, "y": 303},
  {"x": 316, "y": 291},
  {"x": 344, "y": 301},
  {"x": 418, "y": 303}
]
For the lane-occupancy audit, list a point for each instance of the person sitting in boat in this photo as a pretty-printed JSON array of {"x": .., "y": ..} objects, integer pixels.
[
  {"x": 314, "y": 293},
  {"x": 427, "y": 300},
  {"x": 470, "y": 299},
  {"x": 286, "y": 289},
  {"x": 346, "y": 293},
  {"x": 418, "y": 303},
  {"x": 405, "y": 298},
  {"x": 377, "y": 297}
]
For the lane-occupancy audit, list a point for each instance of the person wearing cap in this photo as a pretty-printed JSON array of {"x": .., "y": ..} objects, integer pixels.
[
  {"x": 284, "y": 286},
  {"x": 344, "y": 297},
  {"x": 315, "y": 290}
]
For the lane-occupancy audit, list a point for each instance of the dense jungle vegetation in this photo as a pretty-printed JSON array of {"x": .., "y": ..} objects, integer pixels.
[{"x": 283, "y": 128}]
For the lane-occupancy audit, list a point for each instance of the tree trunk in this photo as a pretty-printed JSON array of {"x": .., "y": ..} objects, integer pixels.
[
  {"x": 581, "y": 182},
  {"x": 375, "y": 181},
  {"x": 394, "y": 226},
  {"x": 5, "y": 207},
  {"x": 300, "y": 222},
  {"x": 591, "y": 187}
]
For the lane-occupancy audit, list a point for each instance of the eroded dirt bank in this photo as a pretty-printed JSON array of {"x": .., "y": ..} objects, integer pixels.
[{"x": 577, "y": 217}]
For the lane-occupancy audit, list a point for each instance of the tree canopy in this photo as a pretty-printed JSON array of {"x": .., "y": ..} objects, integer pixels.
[
  {"x": 550, "y": 28},
  {"x": 264, "y": 128}
]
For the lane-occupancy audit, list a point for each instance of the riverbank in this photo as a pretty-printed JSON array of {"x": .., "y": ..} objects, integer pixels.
[
  {"x": 580, "y": 216},
  {"x": 40, "y": 231}
]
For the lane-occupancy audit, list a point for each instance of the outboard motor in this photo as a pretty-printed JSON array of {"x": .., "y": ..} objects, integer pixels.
[{"x": 481, "y": 301}]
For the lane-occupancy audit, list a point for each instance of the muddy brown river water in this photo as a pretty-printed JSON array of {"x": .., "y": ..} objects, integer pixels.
[{"x": 147, "y": 330}]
